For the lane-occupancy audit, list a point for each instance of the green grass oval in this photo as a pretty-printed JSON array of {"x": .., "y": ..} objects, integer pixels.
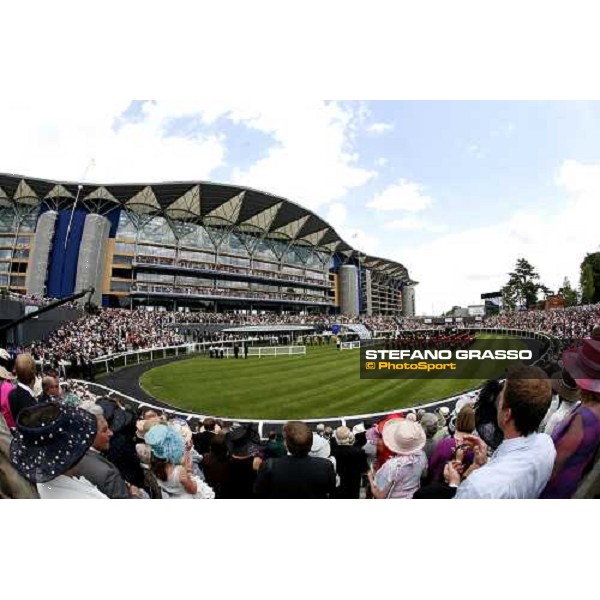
[{"x": 323, "y": 383}]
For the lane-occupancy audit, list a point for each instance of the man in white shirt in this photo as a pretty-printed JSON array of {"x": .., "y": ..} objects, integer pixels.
[{"x": 522, "y": 464}]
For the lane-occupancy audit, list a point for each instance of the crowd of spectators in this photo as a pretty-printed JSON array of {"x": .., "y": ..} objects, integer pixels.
[
  {"x": 75, "y": 344},
  {"x": 526, "y": 437},
  {"x": 72, "y": 348},
  {"x": 573, "y": 323},
  {"x": 532, "y": 435}
]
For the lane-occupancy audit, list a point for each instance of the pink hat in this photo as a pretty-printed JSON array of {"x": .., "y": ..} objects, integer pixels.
[
  {"x": 583, "y": 365},
  {"x": 403, "y": 436}
]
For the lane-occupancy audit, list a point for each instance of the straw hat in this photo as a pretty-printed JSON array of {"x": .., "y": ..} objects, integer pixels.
[
  {"x": 4, "y": 374},
  {"x": 343, "y": 436},
  {"x": 403, "y": 437}
]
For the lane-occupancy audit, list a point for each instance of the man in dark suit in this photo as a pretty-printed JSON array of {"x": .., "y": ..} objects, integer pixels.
[
  {"x": 203, "y": 439},
  {"x": 97, "y": 469},
  {"x": 296, "y": 475},
  {"x": 22, "y": 395}
]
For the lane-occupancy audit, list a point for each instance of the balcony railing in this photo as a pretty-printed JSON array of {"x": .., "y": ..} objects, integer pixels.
[
  {"x": 187, "y": 266},
  {"x": 142, "y": 289}
]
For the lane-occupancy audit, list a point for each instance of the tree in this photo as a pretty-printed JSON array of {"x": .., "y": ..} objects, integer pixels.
[
  {"x": 523, "y": 287},
  {"x": 590, "y": 278},
  {"x": 568, "y": 293}
]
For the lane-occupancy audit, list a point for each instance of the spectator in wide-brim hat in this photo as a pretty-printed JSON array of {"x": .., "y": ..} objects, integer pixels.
[
  {"x": 400, "y": 476},
  {"x": 172, "y": 466},
  {"x": 565, "y": 399},
  {"x": 50, "y": 440},
  {"x": 242, "y": 441},
  {"x": 577, "y": 437}
]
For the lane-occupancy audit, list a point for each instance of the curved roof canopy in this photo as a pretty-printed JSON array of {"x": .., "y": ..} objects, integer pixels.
[{"x": 212, "y": 204}]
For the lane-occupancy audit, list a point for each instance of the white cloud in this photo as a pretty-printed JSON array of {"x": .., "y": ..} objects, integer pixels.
[
  {"x": 380, "y": 128},
  {"x": 381, "y": 162},
  {"x": 56, "y": 139},
  {"x": 578, "y": 178},
  {"x": 457, "y": 267},
  {"x": 414, "y": 224},
  {"x": 361, "y": 240},
  {"x": 475, "y": 150},
  {"x": 336, "y": 214},
  {"x": 313, "y": 161},
  {"x": 337, "y": 217},
  {"x": 403, "y": 195}
]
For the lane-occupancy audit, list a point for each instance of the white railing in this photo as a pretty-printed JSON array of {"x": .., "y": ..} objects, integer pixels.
[
  {"x": 349, "y": 345},
  {"x": 135, "y": 357},
  {"x": 105, "y": 364},
  {"x": 277, "y": 351},
  {"x": 260, "y": 351}
]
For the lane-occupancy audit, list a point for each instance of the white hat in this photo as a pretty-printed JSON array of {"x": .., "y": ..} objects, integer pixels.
[
  {"x": 360, "y": 428},
  {"x": 320, "y": 447},
  {"x": 344, "y": 436},
  {"x": 403, "y": 437}
]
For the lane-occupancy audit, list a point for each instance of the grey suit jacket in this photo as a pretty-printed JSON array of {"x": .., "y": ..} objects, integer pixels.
[{"x": 103, "y": 474}]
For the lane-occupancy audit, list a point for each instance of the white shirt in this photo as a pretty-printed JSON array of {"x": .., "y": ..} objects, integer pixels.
[
  {"x": 69, "y": 488},
  {"x": 520, "y": 468}
]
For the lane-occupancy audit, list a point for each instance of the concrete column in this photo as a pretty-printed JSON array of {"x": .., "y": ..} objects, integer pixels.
[
  {"x": 408, "y": 301},
  {"x": 92, "y": 252},
  {"x": 39, "y": 255},
  {"x": 349, "y": 289}
]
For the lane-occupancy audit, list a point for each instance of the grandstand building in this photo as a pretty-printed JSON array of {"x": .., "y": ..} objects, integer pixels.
[{"x": 198, "y": 245}]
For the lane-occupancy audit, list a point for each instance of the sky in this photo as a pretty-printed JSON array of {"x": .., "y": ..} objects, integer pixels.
[{"x": 455, "y": 191}]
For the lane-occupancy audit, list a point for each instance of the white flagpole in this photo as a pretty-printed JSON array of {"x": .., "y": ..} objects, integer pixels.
[{"x": 79, "y": 188}]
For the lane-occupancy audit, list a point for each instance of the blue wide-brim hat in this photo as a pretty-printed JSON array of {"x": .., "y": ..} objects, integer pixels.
[{"x": 49, "y": 439}]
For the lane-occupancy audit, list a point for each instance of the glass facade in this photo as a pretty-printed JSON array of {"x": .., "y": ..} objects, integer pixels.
[
  {"x": 174, "y": 239},
  {"x": 17, "y": 224},
  {"x": 157, "y": 243}
]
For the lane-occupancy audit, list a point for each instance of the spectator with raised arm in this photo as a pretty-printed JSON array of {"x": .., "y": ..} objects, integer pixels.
[{"x": 522, "y": 464}]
